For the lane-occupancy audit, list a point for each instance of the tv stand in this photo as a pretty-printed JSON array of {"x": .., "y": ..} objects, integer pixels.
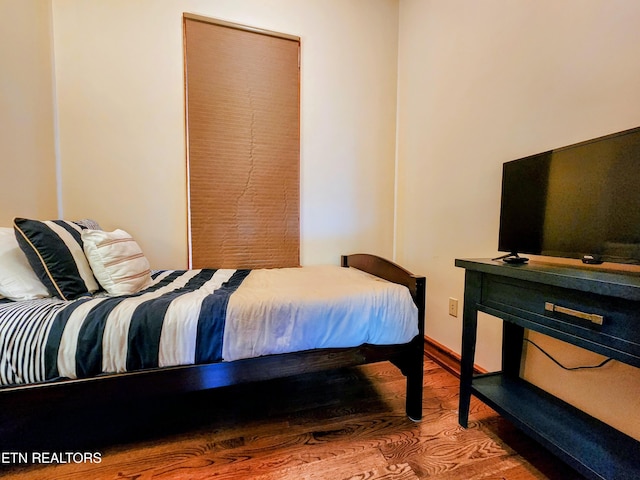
[{"x": 595, "y": 310}]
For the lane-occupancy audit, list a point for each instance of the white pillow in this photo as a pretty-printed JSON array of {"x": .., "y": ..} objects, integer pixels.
[
  {"x": 17, "y": 279},
  {"x": 117, "y": 261}
]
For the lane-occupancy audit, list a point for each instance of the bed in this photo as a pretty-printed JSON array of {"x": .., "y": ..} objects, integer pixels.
[{"x": 74, "y": 355}]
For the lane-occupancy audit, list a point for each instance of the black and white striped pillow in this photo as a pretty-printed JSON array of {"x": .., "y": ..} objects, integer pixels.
[{"x": 54, "y": 251}]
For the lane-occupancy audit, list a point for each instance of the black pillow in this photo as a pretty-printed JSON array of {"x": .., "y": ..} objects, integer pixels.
[{"x": 54, "y": 251}]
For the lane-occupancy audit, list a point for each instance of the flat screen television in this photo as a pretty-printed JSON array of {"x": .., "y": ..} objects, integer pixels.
[{"x": 580, "y": 201}]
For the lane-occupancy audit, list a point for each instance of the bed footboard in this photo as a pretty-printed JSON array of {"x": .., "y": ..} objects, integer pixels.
[{"x": 411, "y": 359}]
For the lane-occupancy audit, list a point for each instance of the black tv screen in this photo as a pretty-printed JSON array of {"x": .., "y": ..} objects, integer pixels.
[{"x": 579, "y": 201}]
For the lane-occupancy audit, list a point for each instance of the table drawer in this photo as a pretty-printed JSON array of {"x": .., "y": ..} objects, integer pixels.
[{"x": 610, "y": 321}]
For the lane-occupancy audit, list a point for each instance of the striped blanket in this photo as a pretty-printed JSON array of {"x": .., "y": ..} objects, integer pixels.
[{"x": 178, "y": 320}]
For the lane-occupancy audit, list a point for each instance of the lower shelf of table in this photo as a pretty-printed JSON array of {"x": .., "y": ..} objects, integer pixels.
[{"x": 592, "y": 447}]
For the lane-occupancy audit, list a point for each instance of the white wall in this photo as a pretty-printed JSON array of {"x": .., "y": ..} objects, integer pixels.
[
  {"x": 119, "y": 78},
  {"x": 481, "y": 83},
  {"x": 27, "y": 148}
]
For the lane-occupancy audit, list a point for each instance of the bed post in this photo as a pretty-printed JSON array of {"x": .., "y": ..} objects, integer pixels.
[
  {"x": 414, "y": 369},
  {"x": 411, "y": 360}
]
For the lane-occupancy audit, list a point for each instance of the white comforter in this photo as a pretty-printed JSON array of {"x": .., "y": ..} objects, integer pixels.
[{"x": 293, "y": 309}]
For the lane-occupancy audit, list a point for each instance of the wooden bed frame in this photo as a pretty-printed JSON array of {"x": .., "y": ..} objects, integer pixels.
[{"x": 24, "y": 399}]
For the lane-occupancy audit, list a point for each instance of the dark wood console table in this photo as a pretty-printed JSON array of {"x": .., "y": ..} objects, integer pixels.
[{"x": 596, "y": 310}]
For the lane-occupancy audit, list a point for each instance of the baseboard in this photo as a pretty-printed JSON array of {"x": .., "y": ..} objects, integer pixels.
[{"x": 445, "y": 357}]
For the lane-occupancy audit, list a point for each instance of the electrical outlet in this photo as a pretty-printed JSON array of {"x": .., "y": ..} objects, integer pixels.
[{"x": 453, "y": 307}]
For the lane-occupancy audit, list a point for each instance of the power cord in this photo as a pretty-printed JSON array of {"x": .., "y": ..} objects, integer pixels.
[{"x": 584, "y": 367}]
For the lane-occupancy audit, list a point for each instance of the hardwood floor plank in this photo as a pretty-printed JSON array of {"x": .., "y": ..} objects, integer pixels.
[
  {"x": 498, "y": 467},
  {"x": 341, "y": 466},
  {"x": 391, "y": 472}
]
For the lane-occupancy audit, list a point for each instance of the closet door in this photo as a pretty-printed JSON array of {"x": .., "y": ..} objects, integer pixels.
[{"x": 242, "y": 89}]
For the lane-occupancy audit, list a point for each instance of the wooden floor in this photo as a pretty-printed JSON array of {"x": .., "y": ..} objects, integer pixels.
[{"x": 346, "y": 424}]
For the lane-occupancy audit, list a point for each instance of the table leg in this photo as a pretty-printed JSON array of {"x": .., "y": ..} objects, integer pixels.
[{"x": 472, "y": 293}]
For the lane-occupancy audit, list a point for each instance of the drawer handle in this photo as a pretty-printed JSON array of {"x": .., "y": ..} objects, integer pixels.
[{"x": 592, "y": 317}]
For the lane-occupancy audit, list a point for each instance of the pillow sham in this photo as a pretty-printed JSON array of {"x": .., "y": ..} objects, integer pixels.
[
  {"x": 17, "y": 279},
  {"x": 117, "y": 261},
  {"x": 54, "y": 251}
]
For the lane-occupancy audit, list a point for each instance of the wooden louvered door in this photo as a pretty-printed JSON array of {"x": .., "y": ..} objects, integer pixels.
[{"x": 243, "y": 145}]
